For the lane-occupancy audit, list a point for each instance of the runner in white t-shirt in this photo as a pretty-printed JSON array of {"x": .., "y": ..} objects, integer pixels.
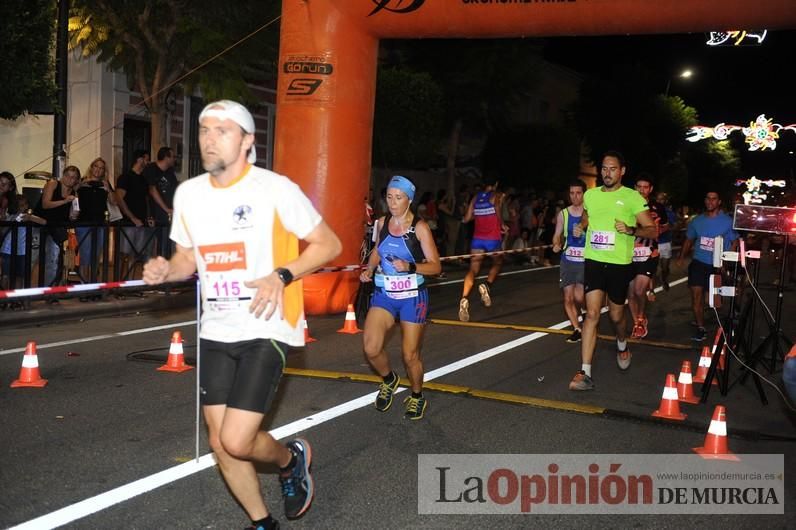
[{"x": 238, "y": 226}]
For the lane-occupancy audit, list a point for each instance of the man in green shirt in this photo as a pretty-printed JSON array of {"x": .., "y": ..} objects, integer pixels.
[{"x": 613, "y": 217}]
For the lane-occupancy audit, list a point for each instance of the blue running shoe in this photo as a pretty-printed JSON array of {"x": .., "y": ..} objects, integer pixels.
[{"x": 297, "y": 486}]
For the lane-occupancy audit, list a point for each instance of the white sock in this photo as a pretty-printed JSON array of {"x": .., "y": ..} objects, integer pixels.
[
  {"x": 622, "y": 345},
  {"x": 586, "y": 369}
]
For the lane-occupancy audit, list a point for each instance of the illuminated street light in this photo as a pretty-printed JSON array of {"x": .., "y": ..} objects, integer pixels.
[{"x": 685, "y": 74}]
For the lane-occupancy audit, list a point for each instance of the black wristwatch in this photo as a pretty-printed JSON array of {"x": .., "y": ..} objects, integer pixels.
[
  {"x": 285, "y": 275},
  {"x": 412, "y": 267}
]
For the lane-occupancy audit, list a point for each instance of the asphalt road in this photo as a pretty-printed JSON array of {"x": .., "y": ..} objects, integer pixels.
[{"x": 85, "y": 449}]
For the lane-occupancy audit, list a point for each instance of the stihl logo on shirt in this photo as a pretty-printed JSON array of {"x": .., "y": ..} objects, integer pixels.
[{"x": 224, "y": 257}]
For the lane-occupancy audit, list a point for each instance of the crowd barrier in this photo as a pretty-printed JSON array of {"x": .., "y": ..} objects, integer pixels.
[{"x": 58, "y": 255}]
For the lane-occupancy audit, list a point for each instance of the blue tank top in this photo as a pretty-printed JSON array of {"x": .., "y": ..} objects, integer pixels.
[
  {"x": 573, "y": 246},
  {"x": 396, "y": 247}
]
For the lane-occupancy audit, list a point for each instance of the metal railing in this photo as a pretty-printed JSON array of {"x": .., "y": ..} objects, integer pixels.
[{"x": 39, "y": 256}]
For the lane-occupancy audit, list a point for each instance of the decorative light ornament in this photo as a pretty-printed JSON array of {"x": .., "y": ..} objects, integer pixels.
[
  {"x": 736, "y": 37},
  {"x": 761, "y": 134},
  {"x": 753, "y": 194}
]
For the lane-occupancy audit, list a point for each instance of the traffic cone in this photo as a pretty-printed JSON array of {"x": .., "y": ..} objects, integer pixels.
[
  {"x": 685, "y": 390},
  {"x": 307, "y": 338},
  {"x": 669, "y": 408},
  {"x": 176, "y": 360},
  {"x": 704, "y": 365},
  {"x": 29, "y": 373},
  {"x": 715, "y": 446},
  {"x": 721, "y": 357},
  {"x": 350, "y": 324}
]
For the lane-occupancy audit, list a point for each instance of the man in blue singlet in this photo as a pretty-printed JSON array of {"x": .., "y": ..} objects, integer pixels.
[
  {"x": 700, "y": 235},
  {"x": 572, "y": 259}
]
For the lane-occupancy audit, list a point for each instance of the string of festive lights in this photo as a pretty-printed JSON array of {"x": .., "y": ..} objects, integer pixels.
[
  {"x": 754, "y": 194},
  {"x": 736, "y": 37},
  {"x": 761, "y": 134}
]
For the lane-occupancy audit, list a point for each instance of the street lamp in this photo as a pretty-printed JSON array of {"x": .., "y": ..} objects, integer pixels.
[{"x": 685, "y": 74}]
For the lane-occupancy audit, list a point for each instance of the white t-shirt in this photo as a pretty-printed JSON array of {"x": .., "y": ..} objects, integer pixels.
[{"x": 239, "y": 233}]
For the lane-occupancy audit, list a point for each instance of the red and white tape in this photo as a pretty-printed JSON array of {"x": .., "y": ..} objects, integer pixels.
[{"x": 84, "y": 287}]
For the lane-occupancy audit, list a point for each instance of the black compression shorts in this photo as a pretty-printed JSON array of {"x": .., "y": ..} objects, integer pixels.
[{"x": 241, "y": 375}]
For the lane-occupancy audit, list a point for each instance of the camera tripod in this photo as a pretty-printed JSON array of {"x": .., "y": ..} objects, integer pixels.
[{"x": 771, "y": 349}]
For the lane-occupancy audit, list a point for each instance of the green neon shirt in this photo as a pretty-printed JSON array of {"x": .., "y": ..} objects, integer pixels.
[{"x": 603, "y": 242}]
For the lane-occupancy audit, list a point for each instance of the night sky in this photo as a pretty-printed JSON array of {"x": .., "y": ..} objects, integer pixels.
[{"x": 732, "y": 84}]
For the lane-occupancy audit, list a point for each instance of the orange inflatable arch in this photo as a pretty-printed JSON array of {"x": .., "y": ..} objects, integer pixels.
[{"x": 327, "y": 80}]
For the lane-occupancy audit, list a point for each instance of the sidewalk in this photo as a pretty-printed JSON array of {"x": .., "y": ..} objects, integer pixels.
[{"x": 111, "y": 305}]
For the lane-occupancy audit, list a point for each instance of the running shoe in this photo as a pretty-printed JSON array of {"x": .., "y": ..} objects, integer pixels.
[
  {"x": 297, "y": 486},
  {"x": 666, "y": 286},
  {"x": 464, "y": 310},
  {"x": 699, "y": 336},
  {"x": 581, "y": 381},
  {"x": 484, "y": 290},
  {"x": 575, "y": 337},
  {"x": 640, "y": 328},
  {"x": 261, "y": 527},
  {"x": 623, "y": 359},
  {"x": 386, "y": 391},
  {"x": 415, "y": 407}
]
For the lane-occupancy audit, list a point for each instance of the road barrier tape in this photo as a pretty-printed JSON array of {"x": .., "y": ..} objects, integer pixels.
[
  {"x": 106, "y": 286},
  {"x": 65, "y": 289}
]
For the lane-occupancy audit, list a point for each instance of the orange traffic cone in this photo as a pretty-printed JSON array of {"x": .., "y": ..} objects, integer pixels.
[
  {"x": 716, "y": 440},
  {"x": 722, "y": 356},
  {"x": 176, "y": 360},
  {"x": 29, "y": 373},
  {"x": 685, "y": 390},
  {"x": 669, "y": 407},
  {"x": 704, "y": 365},
  {"x": 307, "y": 338},
  {"x": 350, "y": 324}
]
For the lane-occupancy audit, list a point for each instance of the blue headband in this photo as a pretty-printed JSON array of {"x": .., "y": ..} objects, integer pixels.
[{"x": 402, "y": 183}]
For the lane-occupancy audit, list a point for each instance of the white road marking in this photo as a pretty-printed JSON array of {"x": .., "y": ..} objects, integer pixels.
[{"x": 110, "y": 498}]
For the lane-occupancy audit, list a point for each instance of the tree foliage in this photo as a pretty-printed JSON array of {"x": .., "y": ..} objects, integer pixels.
[
  {"x": 408, "y": 118},
  {"x": 708, "y": 166},
  {"x": 26, "y": 61},
  {"x": 650, "y": 130},
  {"x": 158, "y": 43},
  {"x": 482, "y": 81},
  {"x": 647, "y": 128}
]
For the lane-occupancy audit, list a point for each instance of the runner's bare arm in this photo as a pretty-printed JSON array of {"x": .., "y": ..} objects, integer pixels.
[
  {"x": 557, "y": 243},
  {"x": 687, "y": 244},
  {"x": 468, "y": 216},
  {"x": 181, "y": 265},
  {"x": 646, "y": 226},
  {"x": 374, "y": 258},
  {"x": 323, "y": 246},
  {"x": 580, "y": 228}
]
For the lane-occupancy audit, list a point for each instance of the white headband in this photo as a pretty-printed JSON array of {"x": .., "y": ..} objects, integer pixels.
[{"x": 232, "y": 110}]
